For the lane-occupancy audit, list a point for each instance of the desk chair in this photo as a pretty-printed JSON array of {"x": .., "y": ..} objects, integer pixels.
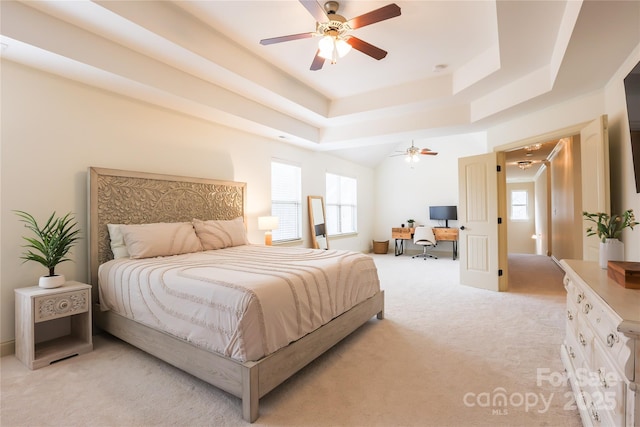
[{"x": 424, "y": 237}]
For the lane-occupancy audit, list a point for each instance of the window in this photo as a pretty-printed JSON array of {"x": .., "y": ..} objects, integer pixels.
[
  {"x": 519, "y": 207},
  {"x": 286, "y": 200},
  {"x": 341, "y": 204}
]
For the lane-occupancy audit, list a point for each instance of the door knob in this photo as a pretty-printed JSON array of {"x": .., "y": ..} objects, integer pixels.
[{"x": 462, "y": 227}]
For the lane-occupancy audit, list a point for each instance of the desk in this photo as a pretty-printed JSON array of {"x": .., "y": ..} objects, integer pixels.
[
  {"x": 447, "y": 235},
  {"x": 442, "y": 234},
  {"x": 400, "y": 234}
]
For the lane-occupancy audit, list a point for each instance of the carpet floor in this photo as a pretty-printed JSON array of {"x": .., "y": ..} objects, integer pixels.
[{"x": 445, "y": 355}]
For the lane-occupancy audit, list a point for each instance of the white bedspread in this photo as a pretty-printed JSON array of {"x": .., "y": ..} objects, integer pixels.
[{"x": 244, "y": 302}]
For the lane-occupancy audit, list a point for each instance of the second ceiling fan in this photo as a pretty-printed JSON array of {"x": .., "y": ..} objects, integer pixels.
[
  {"x": 334, "y": 30},
  {"x": 412, "y": 154}
]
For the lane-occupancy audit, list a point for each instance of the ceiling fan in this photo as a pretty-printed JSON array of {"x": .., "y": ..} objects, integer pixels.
[
  {"x": 334, "y": 30},
  {"x": 413, "y": 153}
]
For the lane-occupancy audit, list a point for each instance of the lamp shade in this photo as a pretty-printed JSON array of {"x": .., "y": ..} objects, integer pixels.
[{"x": 268, "y": 222}]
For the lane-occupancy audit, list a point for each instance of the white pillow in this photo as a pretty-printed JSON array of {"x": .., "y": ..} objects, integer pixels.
[
  {"x": 160, "y": 239},
  {"x": 220, "y": 234},
  {"x": 118, "y": 247}
]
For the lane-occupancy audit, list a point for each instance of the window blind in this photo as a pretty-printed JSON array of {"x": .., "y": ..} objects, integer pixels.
[
  {"x": 286, "y": 200},
  {"x": 341, "y": 204}
]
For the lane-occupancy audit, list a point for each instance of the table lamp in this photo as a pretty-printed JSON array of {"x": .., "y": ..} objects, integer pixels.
[{"x": 267, "y": 223}]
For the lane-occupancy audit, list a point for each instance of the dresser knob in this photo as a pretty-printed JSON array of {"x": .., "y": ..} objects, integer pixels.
[
  {"x": 587, "y": 308},
  {"x": 571, "y": 353},
  {"x": 612, "y": 339},
  {"x": 582, "y": 340},
  {"x": 603, "y": 378},
  {"x": 579, "y": 298},
  {"x": 594, "y": 412},
  {"x": 569, "y": 315}
]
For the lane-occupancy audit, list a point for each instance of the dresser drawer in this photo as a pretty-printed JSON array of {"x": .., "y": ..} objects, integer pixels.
[
  {"x": 604, "y": 324},
  {"x": 584, "y": 338},
  {"x": 575, "y": 350},
  {"x": 48, "y": 307},
  {"x": 608, "y": 389}
]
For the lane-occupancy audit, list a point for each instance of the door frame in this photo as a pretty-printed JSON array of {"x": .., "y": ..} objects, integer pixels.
[{"x": 566, "y": 132}]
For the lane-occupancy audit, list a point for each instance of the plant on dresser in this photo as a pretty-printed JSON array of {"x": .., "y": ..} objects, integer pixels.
[
  {"x": 609, "y": 228},
  {"x": 51, "y": 244},
  {"x": 601, "y": 349}
]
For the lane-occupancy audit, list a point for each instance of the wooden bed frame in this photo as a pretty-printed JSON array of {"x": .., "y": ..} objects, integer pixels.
[{"x": 123, "y": 197}]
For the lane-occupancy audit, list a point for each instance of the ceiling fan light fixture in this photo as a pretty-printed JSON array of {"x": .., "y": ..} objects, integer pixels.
[{"x": 332, "y": 48}]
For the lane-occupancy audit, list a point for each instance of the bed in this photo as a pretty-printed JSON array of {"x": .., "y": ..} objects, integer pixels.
[{"x": 261, "y": 361}]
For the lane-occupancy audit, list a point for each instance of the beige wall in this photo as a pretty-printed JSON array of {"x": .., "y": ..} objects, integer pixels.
[
  {"x": 566, "y": 202},
  {"x": 53, "y": 129}
]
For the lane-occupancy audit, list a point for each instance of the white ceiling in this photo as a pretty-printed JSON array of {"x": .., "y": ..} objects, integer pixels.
[{"x": 203, "y": 58}]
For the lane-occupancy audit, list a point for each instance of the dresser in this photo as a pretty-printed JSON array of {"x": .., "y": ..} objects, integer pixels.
[{"x": 601, "y": 349}]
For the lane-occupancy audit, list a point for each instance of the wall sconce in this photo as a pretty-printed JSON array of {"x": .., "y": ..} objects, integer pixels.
[{"x": 268, "y": 223}]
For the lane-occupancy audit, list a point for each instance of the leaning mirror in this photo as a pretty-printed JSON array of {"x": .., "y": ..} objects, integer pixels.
[{"x": 317, "y": 225}]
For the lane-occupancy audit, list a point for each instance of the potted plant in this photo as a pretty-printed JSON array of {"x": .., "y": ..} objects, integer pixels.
[
  {"x": 411, "y": 222},
  {"x": 50, "y": 245},
  {"x": 608, "y": 228}
]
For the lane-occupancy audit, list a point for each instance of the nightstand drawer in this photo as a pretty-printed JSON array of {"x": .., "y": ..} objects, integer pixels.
[{"x": 48, "y": 307}]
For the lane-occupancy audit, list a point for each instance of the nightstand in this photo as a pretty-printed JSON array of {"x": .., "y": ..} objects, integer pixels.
[{"x": 52, "y": 324}]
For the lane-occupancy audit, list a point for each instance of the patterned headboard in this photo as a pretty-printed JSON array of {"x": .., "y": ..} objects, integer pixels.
[{"x": 125, "y": 197}]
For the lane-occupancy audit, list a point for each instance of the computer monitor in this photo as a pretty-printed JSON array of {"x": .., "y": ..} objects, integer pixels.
[{"x": 443, "y": 213}]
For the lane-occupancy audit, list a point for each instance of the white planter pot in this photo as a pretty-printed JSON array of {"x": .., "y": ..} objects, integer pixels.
[
  {"x": 611, "y": 250},
  {"x": 49, "y": 282}
]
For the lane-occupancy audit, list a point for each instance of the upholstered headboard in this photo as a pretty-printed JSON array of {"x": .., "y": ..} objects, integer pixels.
[{"x": 125, "y": 197}]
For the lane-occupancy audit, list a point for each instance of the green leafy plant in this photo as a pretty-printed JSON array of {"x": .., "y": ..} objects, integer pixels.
[
  {"x": 52, "y": 241},
  {"x": 609, "y": 226},
  {"x": 411, "y": 221}
]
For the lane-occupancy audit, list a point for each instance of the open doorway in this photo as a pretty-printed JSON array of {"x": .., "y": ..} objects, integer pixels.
[{"x": 528, "y": 198}]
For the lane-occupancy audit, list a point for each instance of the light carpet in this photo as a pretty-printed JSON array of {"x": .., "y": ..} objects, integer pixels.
[{"x": 445, "y": 355}]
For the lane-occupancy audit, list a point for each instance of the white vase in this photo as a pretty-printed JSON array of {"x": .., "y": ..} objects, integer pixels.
[
  {"x": 50, "y": 282},
  {"x": 611, "y": 250}
]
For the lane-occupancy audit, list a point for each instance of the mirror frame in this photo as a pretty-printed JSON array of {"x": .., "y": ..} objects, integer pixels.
[{"x": 314, "y": 212}]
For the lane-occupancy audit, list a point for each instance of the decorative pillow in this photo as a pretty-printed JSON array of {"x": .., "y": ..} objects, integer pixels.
[
  {"x": 118, "y": 247},
  {"x": 160, "y": 239},
  {"x": 220, "y": 234}
]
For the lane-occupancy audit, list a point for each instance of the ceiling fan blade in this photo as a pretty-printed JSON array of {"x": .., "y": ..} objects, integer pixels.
[
  {"x": 366, "y": 48},
  {"x": 317, "y": 63},
  {"x": 389, "y": 11},
  {"x": 286, "y": 38},
  {"x": 315, "y": 10},
  {"x": 428, "y": 152}
]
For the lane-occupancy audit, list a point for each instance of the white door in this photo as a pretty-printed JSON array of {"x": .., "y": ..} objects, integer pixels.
[
  {"x": 594, "y": 162},
  {"x": 482, "y": 241}
]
